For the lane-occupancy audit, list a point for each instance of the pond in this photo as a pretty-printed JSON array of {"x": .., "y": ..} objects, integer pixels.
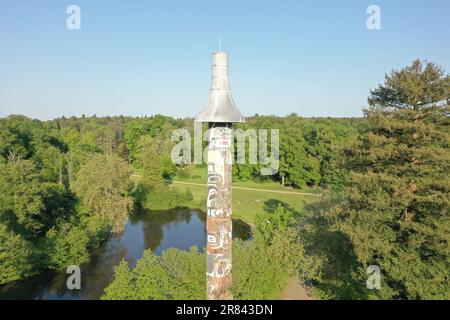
[{"x": 158, "y": 231}]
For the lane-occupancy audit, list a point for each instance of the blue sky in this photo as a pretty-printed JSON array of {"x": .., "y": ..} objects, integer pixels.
[{"x": 314, "y": 58}]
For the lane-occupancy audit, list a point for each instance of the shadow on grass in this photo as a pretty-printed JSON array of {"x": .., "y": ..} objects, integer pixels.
[{"x": 272, "y": 204}]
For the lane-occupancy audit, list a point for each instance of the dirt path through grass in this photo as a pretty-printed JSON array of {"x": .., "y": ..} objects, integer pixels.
[
  {"x": 242, "y": 188},
  {"x": 251, "y": 189},
  {"x": 295, "y": 291}
]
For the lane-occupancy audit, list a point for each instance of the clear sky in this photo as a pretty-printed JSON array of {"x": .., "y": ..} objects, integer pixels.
[{"x": 314, "y": 58}]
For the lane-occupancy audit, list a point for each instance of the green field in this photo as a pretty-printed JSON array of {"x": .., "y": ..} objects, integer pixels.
[
  {"x": 198, "y": 175},
  {"x": 246, "y": 203}
]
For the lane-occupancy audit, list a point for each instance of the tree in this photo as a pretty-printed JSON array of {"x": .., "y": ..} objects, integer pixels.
[
  {"x": 150, "y": 278},
  {"x": 159, "y": 196},
  {"x": 256, "y": 274},
  {"x": 157, "y": 127},
  {"x": 12, "y": 140},
  {"x": 15, "y": 254},
  {"x": 150, "y": 159},
  {"x": 110, "y": 137},
  {"x": 121, "y": 287},
  {"x": 268, "y": 224},
  {"x": 21, "y": 196},
  {"x": 102, "y": 186},
  {"x": 67, "y": 245},
  {"x": 260, "y": 270},
  {"x": 154, "y": 156},
  {"x": 297, "y": 167},
  {"x": 148, "y": 281},
  {"x": 395, "y": 208},
  {"x": 186, "y": 271}
]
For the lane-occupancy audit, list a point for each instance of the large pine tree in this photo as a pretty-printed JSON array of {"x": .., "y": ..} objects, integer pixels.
[{"x": 396, "y": 204}]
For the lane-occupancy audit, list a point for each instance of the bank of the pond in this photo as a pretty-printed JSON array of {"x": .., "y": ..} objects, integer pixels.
[{"x": 155, "y": 230}]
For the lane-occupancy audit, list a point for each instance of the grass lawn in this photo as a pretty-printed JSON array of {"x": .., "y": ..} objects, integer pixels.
[
  {"x": 198, "y": 175},
  {"x": 246, "y": 203}
]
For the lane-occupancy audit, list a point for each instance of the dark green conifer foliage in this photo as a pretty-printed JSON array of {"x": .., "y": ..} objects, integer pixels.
[{"x": 396, "y": 202}]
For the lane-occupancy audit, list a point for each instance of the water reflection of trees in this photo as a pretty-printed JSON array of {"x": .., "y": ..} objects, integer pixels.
[
  {"x": 98, "y": 272},
  {"x": 241, "y": 229},
  {"x": 95, "y": 276},
  {"x": 154, "y": 222}
]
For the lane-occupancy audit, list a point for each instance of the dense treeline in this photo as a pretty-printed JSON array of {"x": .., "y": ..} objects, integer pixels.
[
  {"x": 389, "y": 205},
  {"x": 66, "y": 184},
  {"x": 308, "y": 148},
  {"x": 61, "y": 193},
  {"x": 393, "y": 210}
]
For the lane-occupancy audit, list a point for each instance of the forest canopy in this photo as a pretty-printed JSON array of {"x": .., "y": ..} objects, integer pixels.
[{"x": 67, "y": 183}]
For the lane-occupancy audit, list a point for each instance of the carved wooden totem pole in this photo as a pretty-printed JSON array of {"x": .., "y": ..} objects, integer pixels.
[{"x": 220, "y": 112}]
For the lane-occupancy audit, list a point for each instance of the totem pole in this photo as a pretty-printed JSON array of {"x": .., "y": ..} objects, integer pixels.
[{"x": 220, "y": 112}]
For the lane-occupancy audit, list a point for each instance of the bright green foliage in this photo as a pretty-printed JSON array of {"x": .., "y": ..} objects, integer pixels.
[
  {"x": 50, "y": 161},
  {"x": 133, "y": 132},
  {"x": 256, "y": 274},
  {"x": 97, "y": 230},
  {"x": 35, "y": 203},
  {"x": 168, "y": 169},
  {"x": 42, "y": 225},
  {"x": 186, "y": 271},
  {"x": 68, "y": 245},
  {"x": 122, "y": 286},
  {"x": 21, "y": 195},
  {"x": 324, "y": 139},
  {"x": 16, "y": 137},
  {"x": 28, "y": 203},
  {"x": 148, "y": 281},
  {"x": 308, "y": 149},
  {"x": 159, "y": 127},
  {"x": 244, "y": 172},
  {"x": 102, "y": 185},
  {"x": 260, "y": 271},
  {"x": 396, "y": 208},
  {"x": 392, "y": 208},
  {"x": 281, "y": 233},
  {"x": 288, "y": 248},
  {"x": 15, "y": 254},
  {"x": 154, "y": 158},
  {"x": 297, "y": 166},
  {"x": 159, "y": 196},
  {"x": 150, "y": 161},
  {"x": 269, "y": 223}
]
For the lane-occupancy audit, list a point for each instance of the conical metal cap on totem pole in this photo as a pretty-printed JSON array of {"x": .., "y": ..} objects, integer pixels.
[
  {"x": 220, "y": 112},
  {"x": 220, "y": 107}
]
